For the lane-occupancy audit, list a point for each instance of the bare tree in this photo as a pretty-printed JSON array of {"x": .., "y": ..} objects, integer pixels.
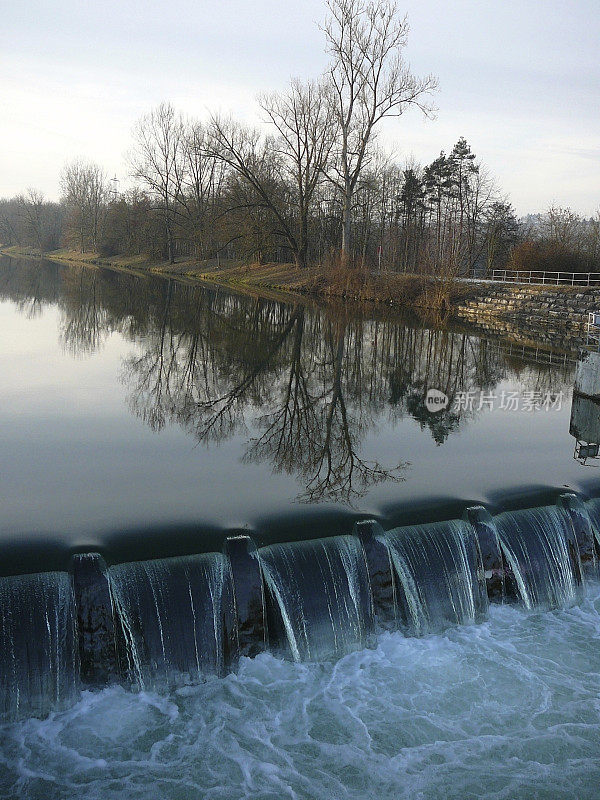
[
  {"x": 252, "y": 158},
  {"x": 156, "y": 161},
  {"x": 304, "y": 120},
  {"x": 284, "y": 170},
  {"x": 200, "y": 178},
  {"x": 564, "y": 227},
  {"x": 32, "y": 211},
  {"x": 85, "y": 194},
  {"x": 369, "y": 81},
  {"x": 593, "y": 239}
]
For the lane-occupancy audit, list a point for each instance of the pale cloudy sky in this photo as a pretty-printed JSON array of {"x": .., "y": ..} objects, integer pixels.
[{"x": 520, "y": 80}]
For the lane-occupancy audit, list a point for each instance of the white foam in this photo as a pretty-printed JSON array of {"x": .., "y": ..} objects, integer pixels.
[{"x": 505, "y": 709}]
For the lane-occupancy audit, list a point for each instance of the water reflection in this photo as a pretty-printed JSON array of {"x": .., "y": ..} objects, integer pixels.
[
  {"x": 584, "y": 424},
  {"x": 307, "y": 387}
]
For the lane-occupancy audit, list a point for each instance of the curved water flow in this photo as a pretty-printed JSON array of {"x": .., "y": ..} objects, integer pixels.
[
  {"x": 318, "y": 596},
  {"x": 39, "y": 665},
  {"x": 440, "y": 579},
  {"x": 541, "y": 556},
  {"x": 173, "y": 615}
]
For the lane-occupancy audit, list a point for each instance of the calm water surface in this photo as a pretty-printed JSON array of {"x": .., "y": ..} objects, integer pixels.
[{"x": 140, "y": 409}]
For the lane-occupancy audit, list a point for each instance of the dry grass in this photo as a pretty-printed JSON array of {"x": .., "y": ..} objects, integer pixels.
[{"x": 430, "y": 297}]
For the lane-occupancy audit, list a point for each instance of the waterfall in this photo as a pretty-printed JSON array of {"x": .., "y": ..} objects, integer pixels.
[
  {"x": 584, "y": 532},
  {"x": 593, "y": 509},
  {"x": 175, "y": 618},
  {"x": 541, "y": 555},
  {"x": 318, "y": 596},
  {"x": 38, "y": 646},
  {"x": 98, "y": 653},
  {"x": 439, "y": 575}
]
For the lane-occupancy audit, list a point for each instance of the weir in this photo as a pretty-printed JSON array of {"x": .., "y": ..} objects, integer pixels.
[
  {"x": 39, "y": 664},
  {"x": 174, "y": 621},
  {"x": 319, "y": 600},
  {"x": 176, "y": 618},
  {"x": 438, "y": 574},
  {"x": 541, "y": 556}
]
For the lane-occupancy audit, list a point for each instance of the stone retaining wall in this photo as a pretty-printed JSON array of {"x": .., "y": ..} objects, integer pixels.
[{"x": 556, "y": 315}]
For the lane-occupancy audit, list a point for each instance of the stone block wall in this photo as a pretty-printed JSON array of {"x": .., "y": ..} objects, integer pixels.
[{"x": 555, "y": 315}]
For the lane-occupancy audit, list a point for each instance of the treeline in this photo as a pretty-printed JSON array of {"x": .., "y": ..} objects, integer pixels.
[
  {"x": 558, "y": 240},
  {"x": 311, "y": 187}
]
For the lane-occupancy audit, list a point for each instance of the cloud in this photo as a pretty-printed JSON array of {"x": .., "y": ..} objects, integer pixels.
[{"x": 519, "y": 81}]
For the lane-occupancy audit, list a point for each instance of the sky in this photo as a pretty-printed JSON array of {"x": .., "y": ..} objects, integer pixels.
[{"x": 519, "y": 80}]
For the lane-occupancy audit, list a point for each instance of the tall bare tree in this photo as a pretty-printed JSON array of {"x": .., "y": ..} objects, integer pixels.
[
  {"x": 156, "y": 161},
  {"x": 32, "y": 210},
  {"x": 283, "y": 170},
  {"x": 85, "y": 194},
  {"x": 304, "y": 120},
  {"x": 200, "y": 178},
  {"x": 253, "y": 161},
  {"x": 369, "y": 81}
]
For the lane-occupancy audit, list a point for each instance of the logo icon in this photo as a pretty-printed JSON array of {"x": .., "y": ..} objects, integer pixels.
[{"x": 436, "y": 401}]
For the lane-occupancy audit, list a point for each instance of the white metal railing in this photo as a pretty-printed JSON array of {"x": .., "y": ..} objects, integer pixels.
[
  {"x": 539, "y": 355},
  {"x": 546, "y": 278}
]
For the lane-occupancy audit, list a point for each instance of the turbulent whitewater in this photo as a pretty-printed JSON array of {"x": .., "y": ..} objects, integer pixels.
[
  {"x": 480, "y": 710},
  {"x": 387, "y": 673}
]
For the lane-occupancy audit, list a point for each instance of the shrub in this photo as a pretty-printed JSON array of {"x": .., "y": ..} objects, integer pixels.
[{"x": 541, "y": 256}]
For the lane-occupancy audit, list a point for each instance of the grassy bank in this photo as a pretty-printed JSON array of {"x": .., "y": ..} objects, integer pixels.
[{"x": 406, "y": 291}]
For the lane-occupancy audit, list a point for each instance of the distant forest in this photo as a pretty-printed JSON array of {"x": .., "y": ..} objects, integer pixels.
[{"x": 312, "y": 186}]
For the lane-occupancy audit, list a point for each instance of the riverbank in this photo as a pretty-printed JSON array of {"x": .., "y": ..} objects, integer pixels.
[
  {"x": 418, "y": 292},
  {"x": 556, "y": 315}
]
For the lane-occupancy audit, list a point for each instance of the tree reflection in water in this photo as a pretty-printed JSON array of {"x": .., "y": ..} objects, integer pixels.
[{"x": 305, "y": 385}]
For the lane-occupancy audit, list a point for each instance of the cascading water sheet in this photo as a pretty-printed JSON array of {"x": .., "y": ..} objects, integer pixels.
[
  {"x": 439, "y": 575},
  {"x": 593, "y": 509},
  {"x": 540, "y": 551},
  {"x": 171, "y": 613},
  {"x": 38, "y": 646},
  {"x": 319, "y": 596},
  {"x": 175, "y": 619}
]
